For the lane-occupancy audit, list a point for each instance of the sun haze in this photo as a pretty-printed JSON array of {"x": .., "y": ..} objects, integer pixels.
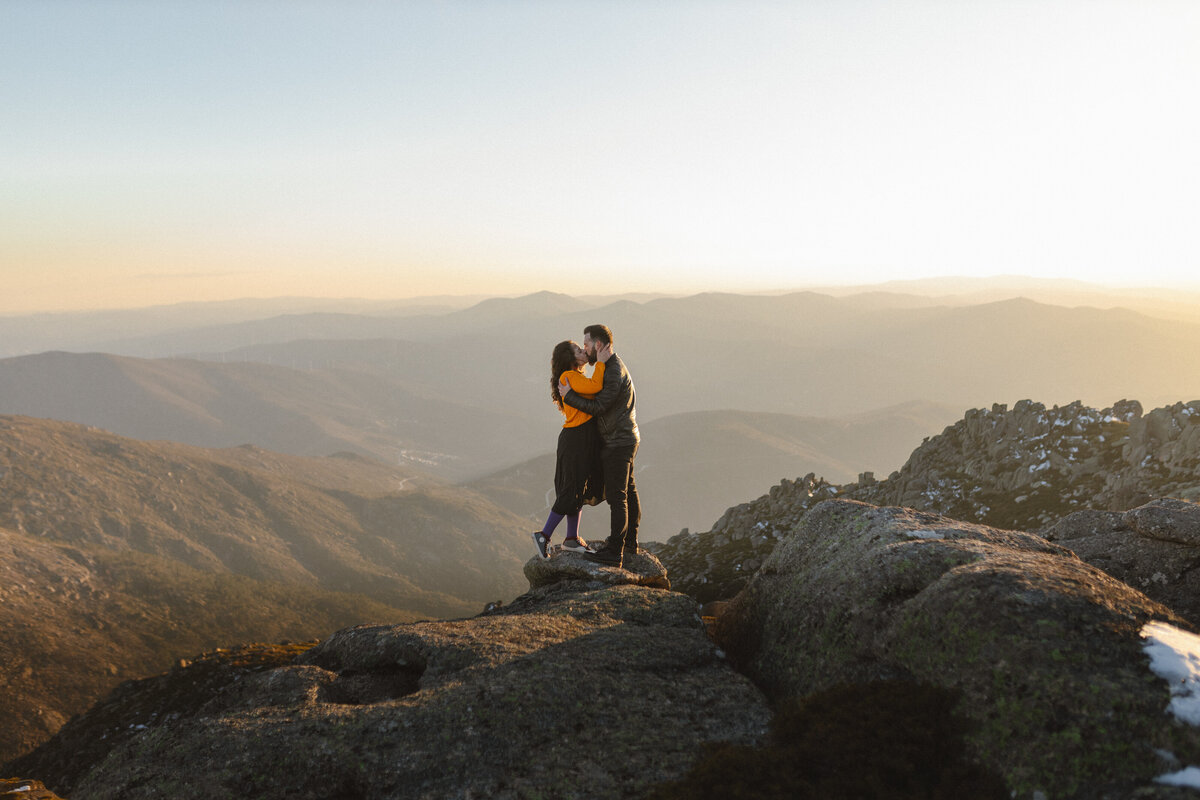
[{"x": 198, "y": 151}]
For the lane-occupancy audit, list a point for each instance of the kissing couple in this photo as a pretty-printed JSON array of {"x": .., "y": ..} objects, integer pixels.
[{"x": 596, "y": 447}]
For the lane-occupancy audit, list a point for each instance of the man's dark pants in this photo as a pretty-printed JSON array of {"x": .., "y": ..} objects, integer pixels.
[{"x": 621, "y": 492}]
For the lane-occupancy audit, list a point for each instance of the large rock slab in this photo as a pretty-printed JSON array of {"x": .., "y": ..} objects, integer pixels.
[
  {"x": 1154, "y": 548},
  {"x": 1045, "y": 649},
  {"x": 562, "y": 693},
  {"x": 642, "y": 569}
]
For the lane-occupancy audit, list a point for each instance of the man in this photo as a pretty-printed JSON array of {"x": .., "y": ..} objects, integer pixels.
[{"x": 613, "y": 408}]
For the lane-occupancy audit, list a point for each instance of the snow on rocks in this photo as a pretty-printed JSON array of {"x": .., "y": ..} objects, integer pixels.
[{"x": 1175, "y": 657}]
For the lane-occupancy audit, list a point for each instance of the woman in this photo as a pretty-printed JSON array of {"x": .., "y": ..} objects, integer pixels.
[{"x": 577, "y": 475}]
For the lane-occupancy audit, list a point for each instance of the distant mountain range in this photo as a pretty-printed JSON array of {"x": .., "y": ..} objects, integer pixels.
[
  {"x": 463, "y": 393},
  {"x": 384, "y": 414},
  {"x": 196, "y": 327}
]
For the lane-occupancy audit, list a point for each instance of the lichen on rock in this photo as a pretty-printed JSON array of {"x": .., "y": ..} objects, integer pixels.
[
  {"x": 1044, "y": 648},
  {"x": 565, "y": 692}
]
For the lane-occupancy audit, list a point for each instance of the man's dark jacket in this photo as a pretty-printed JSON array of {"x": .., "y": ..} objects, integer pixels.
[{"x": 612, "y": 406}]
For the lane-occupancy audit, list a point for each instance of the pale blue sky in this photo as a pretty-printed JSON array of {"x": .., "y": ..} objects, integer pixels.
[{"x": 162, "y": 151}]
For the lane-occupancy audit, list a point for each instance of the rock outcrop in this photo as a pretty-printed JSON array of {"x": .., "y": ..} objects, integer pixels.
[
  {"x": 569, "y": 691},
  {"x": 716, "y": 564},
  {"x": 1030, "y": 466},
  {"x": 642, "y": 569},
  {"x": 1023, "y": 468},
  {"x": 1045, "y": 649},
  {"x": 1154, "y": 548}
]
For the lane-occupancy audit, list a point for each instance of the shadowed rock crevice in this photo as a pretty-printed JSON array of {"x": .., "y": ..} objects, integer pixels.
[
  {"x": 886, "y": 740},
  {"x": 354, "y": 688}
]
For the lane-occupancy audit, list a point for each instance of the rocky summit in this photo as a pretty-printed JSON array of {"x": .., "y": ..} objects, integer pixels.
[
  {"x": 878, "y": 634},
  {"x": 1024, "y": 468},
  {"x": 577, "y": 689},
  {"x": 1046, "y": 650},
  {"x": 716, "y": 564}
]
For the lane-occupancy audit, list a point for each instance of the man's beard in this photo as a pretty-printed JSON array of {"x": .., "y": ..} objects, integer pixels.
[{"x": 591, "y": 358}]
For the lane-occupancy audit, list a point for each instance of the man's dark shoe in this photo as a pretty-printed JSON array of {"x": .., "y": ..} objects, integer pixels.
[{"x": 608, "y": 556}]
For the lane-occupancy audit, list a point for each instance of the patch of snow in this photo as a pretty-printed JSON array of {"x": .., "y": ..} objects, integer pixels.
[
  {"x": 1175, "y": 657},
  {"x": 1184, "y": 777}
]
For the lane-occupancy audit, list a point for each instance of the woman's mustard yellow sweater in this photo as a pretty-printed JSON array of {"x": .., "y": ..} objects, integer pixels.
[{"x": 581, "y": 384}]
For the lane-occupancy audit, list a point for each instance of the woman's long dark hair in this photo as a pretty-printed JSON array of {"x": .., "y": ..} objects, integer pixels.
[{"x": 561, "y": 360}]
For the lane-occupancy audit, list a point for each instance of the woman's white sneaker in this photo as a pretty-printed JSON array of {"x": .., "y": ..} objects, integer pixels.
[{"x": 575, "y": 546}]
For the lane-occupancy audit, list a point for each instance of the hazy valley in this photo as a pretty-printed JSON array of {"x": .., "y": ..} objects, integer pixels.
[{"x": 118, "y": 557}]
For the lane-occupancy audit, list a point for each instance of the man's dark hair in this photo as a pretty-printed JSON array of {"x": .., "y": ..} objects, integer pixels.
[{"x": 599, "y": 333}]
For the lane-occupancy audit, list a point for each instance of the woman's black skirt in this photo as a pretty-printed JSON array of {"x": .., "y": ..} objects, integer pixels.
[{"x": 578, "y": 477}]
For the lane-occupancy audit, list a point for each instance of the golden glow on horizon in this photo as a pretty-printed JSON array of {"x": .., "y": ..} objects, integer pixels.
[{"x": 595, "y": 148}]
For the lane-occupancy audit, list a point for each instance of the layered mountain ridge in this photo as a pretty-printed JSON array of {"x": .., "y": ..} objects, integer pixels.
[
  {"x": 118, "y": 557},
  {"x": 344, "y": 523},
  {"x": 464, "y": 392}
]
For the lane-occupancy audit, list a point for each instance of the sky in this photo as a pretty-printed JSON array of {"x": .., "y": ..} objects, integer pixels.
[{"x": 161, "y": 150}]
